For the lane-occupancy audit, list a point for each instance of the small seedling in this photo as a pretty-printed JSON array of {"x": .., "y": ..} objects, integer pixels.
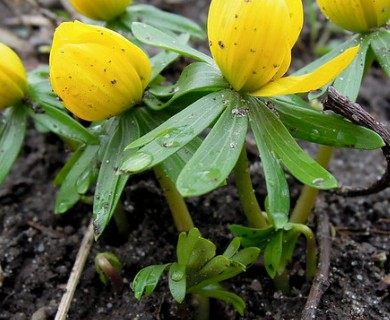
[{"x": 198, "y": 270}]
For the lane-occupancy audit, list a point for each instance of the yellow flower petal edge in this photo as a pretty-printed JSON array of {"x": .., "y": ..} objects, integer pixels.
[
  {"x": 13, "y": 78},
  {"x": 101, "y": 9},
  {"x": 96, "y": 72},
  {"x": 295, "y": 9},
  {"x": 311, "y": 81}
]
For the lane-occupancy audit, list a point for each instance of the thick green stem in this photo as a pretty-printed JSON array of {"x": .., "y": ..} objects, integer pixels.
[
  {"x": 121, "y": 220},
  {"x": 179, "y": 210},
  {"x": 311, "y": 249},
  {"x": 202, "y": 311},
  {"x": 282, "y": 283},
  {"x": 247, "y": 195},
  {"x": 308, "y": 194}
]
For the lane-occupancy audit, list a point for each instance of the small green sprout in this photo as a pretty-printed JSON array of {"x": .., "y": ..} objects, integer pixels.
[
  {"x": 199, "y": 270},
  {"x": 109, "y": 269}
]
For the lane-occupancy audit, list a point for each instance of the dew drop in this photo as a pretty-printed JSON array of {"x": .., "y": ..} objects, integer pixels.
[
  {"x": 177, "y": 276},
  {"x": 315, "y": 134},
  {"x": 318, "y": 182},
  {"x": 137, "y": 162}
]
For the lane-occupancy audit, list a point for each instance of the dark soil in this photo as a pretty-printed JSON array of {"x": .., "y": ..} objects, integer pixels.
[{"x": 37, "y": 248}]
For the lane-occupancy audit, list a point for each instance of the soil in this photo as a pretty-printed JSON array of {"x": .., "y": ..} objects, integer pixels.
[{"x": 38, "y": 248}]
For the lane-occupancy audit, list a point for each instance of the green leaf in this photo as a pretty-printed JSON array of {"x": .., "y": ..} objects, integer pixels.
[
  {"x": 154, "y": 37},
  {"x": 161, "y": 60},
  {"x": 253, "y": 237},
  {"x": 206, "y": 275},
  {"x": 298, "y": 162},
  {"x": 177, "y": 281},
  {"x": 11, "y": 138},
  {"x": 273, "y": 254},
  {"x": 380, "y": 44},
  {"x": 349, "y": 81},
  {"x": 40, "y": 91},
  {"x": 198, "y": 76},
  {"x": 186, "y": 244},
  {"x": 61, "y": 123},
  {"x": 290, "y": 238},
  {"x": 277, "y": 188},
  {"x": 109, "y": 186},
  {"x": 232, "y": 249},
  {"x": 216, "y": 291},
  {"x": 172, "y": 166},
  {"x": 82, "y": 171},
  {"x": 218, "y": 154},
  {"x": 162, "y": 20},
  {"x": 246, "y": 256},
  {"x": 146, "y": 280},
  {"x": 176, "y": 132},
  {"x": 306, "y": 123},
  {"x": 202, "y": 252}
]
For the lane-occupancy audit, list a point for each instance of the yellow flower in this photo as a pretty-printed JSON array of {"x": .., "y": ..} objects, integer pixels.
[
  {"x": 96, "y": 72},
  {"x": 13, "y": 78},
  {"x": 357, "y": 15},
  {"x": 101, "y": 9},
  {"x": 251, "y": 42}
]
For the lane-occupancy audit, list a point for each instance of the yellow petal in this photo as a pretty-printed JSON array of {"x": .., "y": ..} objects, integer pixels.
[
  {"x": 101, "y": 9},
  {"x": 310, "y": 81},
  {"x": 96, "y": 72},
  {"x": 356, "y": 15},
  {"x": 248, "y": 39},
  {"x": 13, "y": 78}
]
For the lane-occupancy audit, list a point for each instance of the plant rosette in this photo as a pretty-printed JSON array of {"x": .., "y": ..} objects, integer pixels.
[
  {"x": 199, "y": 270},
  {"x": 95, "y": 88},
  {"x": 243, "y": 87}
]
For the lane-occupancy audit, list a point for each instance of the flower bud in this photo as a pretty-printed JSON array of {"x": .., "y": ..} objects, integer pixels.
[
  {"x": 13, "y": 78},
  {"x": 251, "y": 43},
  {"x": 356, "y": 15},
  {"x": 101, "y": 9},
  {"x": 96, "y": 72}
]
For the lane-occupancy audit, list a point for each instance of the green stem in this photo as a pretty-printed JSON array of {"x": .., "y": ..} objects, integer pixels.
[
  {"x": 121, "y": 220},
  {"x": 308, "y": 194},
  {"x": 202, "y": 311},
  {"x": 247, "y": 195},
  {"x": 282, "y": 283},
  {"x": 311, "y": 249},
  {"x": 179, "y": 210}
]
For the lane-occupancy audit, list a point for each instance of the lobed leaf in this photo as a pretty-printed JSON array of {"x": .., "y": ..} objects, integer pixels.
[
  {"x": 298, "y": 162},
  {"x": 162, "y": 20},
  {"x": 218, "y": 154},
  {"x": 177, "y": 281},
  {"x": 306, "y": 123},
  {"x": 146, "y": 280},
  {"x": 11, "y": 138},
  {"x": 277, "y": 187},
  {"x": 109, "y": 186},
  {"x": 176, "y": 132},
  {"x": 154, "y": 37},
  {"x": 380, "y": 44}
]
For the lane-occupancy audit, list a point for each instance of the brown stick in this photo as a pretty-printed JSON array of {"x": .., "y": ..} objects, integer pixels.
[
  {"x": 321, "y": 279},
  {"x": 82, "y": 255},
  {"x": 356, "y": 114}
]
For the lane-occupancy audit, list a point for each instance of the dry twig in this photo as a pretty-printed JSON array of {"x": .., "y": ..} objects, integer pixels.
[
  {"x": 78, "y": 267},
  {"x": 321, "y": 279},
  {"x": 356, "y": 114}
]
